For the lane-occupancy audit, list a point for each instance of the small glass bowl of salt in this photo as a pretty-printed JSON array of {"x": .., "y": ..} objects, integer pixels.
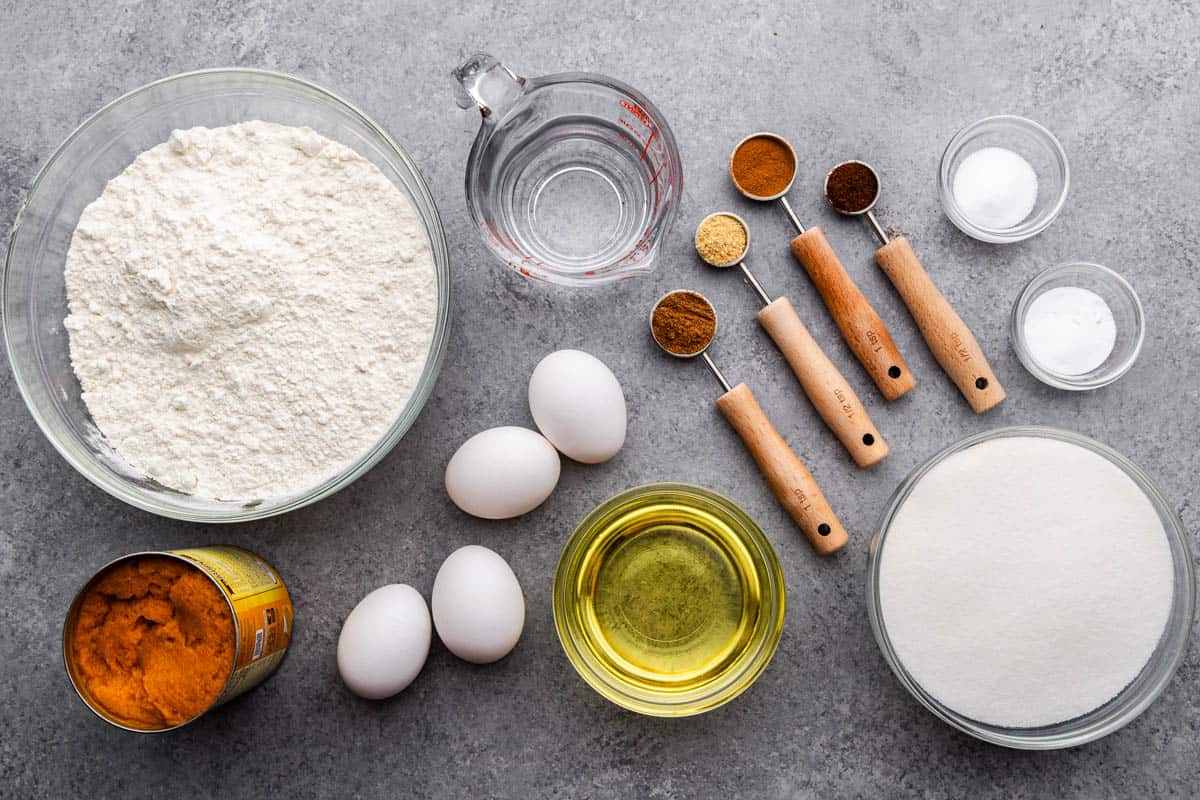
[
  {"x": 1077, "y": 326},
  {"x": 1003, "y": 179}
]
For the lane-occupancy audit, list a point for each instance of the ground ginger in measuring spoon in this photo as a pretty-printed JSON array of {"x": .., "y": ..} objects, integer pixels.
[{"x": 722, "y": 239}]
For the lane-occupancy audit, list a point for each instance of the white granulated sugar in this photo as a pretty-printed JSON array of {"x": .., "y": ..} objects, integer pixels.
[
  {"x": 250, "y": 308},
  {"x": 995, "y": 188},
  {"x": 1070, "y": 330},
  {"x": 1025, "y": 581}
]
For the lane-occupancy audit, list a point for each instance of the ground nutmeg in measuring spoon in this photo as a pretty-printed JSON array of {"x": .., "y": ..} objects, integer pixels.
[
  {"x": 683, "y": 323},
  {"x": 852, "y": 187}
]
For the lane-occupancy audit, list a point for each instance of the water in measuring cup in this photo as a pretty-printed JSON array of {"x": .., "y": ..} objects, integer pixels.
[{"x": 578, "y": 194}]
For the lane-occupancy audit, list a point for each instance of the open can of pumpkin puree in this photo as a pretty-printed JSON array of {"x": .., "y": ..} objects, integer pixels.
[{"x": 156, "y": 639}]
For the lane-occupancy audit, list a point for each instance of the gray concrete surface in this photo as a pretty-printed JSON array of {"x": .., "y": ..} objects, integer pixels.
[{"x": 885, "y": 81}]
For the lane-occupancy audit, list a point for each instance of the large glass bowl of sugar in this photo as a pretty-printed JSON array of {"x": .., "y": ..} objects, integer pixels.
[
  {"x": 34, "y": 297},
  {"x": 1031, "y": 587}
]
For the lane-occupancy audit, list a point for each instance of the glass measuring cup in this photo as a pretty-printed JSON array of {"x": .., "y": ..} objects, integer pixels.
[{"x": 573, "y": 178}]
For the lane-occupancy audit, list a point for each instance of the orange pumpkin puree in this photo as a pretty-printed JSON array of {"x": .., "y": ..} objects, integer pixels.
[{"x": 153, "y": 642}]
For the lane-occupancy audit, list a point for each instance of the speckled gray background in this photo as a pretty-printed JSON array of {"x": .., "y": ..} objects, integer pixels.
[{"x": 886, "y": 81}]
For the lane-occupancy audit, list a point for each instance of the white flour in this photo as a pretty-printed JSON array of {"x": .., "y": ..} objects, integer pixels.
[
  {"x": 1025, "y": 581},
  {"x": 250, "y": 309}
]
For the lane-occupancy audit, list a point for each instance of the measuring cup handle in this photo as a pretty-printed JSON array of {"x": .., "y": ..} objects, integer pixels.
[
  {"x": 949, "y": 338},
  {"x": 856, "y": 318},
  {"x": 794, "y": 486},
  {"x": 488, "y": 84}
]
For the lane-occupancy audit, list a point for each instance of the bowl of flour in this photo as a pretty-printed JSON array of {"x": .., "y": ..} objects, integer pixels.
[
  {"x": 1031, "y": 587},
  {"x": 226, "y": 295}
]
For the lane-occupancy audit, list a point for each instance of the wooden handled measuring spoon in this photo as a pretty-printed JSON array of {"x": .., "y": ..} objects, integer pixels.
[
  {"x": 828, "y": 391},
  {"x": 762, "y": 156},
  {"x": 793, "y": 485},
  {"x": 852, "y": 188}
]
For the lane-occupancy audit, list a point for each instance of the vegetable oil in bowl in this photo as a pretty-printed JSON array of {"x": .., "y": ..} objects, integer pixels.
[
  {"x": 669, "y": 600},
  {"x": 669, "y": 603}
]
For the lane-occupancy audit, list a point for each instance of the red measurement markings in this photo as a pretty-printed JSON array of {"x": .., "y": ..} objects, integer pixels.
[
  {"x": 636, "y": 110},
  {"x": 641, "y": 248},
  {"x": 658, "y": 172},
  {"x": 503, "y": 243},
  {"x": 646, "y": 146},
  {"x": 654, "y": 149},
  {"x": 637, "y": 135}
]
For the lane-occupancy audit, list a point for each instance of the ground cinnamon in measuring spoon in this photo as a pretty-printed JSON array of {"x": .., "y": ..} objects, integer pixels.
[
  {"x": 683, "y": 323},
  {"x": 762, "y": 166}
]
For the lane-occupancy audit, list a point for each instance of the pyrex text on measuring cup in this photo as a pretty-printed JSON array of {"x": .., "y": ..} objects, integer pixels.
[{"x": 573, "y": 178}]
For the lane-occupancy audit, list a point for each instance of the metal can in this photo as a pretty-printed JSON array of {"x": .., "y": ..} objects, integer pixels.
[{"x": 258, "y": 603}]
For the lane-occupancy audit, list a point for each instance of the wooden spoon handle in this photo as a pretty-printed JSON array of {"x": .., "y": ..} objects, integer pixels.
[
  {"x": 829, "y": 392},
  {"x": 856, "y": 318},
  {"x": 948, "y": 336},
  {"x": 790, "y": 480}
]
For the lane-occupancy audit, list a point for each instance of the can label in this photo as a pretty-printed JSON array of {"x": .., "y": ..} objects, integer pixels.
[{"x": 262, "y": 611}]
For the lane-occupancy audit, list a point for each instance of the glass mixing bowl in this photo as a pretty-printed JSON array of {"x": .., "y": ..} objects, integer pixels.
[
  {"x": 1134, "y": 698},
  {"x": 34, "y": 297},
  {"x": 621, "y": 651}
]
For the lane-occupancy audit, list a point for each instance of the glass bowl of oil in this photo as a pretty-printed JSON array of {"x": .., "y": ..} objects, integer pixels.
[{"x": 669, "y": 600}]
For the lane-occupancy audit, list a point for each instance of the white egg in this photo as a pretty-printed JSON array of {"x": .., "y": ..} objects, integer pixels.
[
  {"x": 502, "y": 472},
  {"x": 578, "y": 405},
  {"x": 384, "y": 641},
  {"x": 478, "y": 608}
]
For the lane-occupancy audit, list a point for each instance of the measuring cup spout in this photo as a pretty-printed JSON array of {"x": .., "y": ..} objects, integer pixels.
[{"x": 488, "y": 84}]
